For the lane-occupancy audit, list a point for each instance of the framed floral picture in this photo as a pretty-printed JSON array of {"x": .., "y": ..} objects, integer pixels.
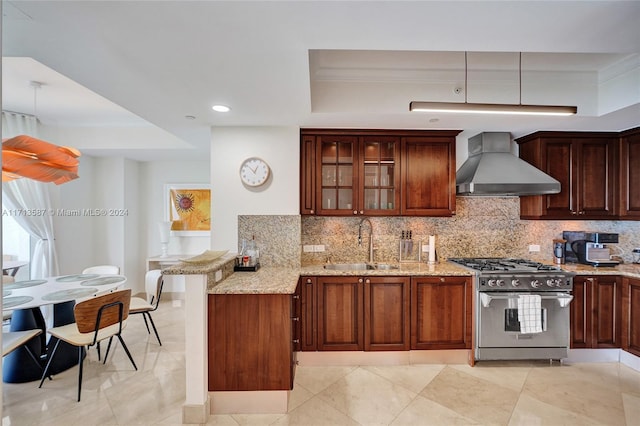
[{"x": 188, "y": 208}]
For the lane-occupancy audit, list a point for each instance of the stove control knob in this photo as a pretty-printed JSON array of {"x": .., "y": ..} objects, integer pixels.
[
  {"x": 492, "y": 283},
  {"x": 500, "y": 283},
  {"x": 535, "y": 283},
  {"x": 550, "y": 283},
  {"x": 515, "y": 283}
]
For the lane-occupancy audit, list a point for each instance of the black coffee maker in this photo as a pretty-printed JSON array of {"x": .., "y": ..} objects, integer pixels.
[{"x": 589, "y": 248}]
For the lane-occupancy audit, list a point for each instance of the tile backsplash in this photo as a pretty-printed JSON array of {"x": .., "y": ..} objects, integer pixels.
[{"x": 482, "y": 227}]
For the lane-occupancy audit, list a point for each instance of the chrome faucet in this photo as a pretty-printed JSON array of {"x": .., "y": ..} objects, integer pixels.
[{"x": 370, "y": 237}]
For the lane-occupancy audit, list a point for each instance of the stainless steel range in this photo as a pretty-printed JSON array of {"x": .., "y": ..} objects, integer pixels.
[{"x": 522, "y": 308}]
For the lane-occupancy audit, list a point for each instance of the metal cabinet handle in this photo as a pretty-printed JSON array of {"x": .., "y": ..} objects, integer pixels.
[
  {"x": 296, "y": 341},
  {"x": 295, "y": 296},
  {"x": 355, "y": 212},
  {"x": 312, "y": 211},
  {"x": 295, "y": 319},
  {"x": 309, "y": 281},
  {"x": 360, "y": 280},
  {"x": 367, "y": 281}
]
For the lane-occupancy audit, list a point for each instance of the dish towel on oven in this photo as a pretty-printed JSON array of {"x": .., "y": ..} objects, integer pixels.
[{"x": 530, "y": 313}]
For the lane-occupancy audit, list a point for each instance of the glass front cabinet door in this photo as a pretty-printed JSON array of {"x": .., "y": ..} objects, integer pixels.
[
  {"x": 380, "y": 176},
  {"x": 373, "y": 172},
  {"x": 359, "y": 175},
  {"x": 337, "y": 183}
]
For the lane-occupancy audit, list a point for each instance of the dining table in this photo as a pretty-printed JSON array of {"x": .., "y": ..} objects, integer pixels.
[
  {"x": 11, "y": 267},
  {"x": 24, "y": 299}
]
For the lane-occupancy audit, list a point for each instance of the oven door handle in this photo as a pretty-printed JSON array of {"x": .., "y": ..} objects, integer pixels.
[{"x": 563, "y": 299}]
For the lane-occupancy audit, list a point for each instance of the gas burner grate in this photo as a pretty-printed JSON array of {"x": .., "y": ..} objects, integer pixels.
[{"x": 503, "y": 264}]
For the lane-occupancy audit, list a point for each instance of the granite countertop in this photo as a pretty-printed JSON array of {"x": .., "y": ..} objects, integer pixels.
[
  {"x": 631, "y": 270},
  {"x": 264, "y": 281},
  {"x": 274, "y": 280},
  {"x": 284, "y": 280},
  {"x": 404, "y": 269},
  {"x": 184, "y": 268}
]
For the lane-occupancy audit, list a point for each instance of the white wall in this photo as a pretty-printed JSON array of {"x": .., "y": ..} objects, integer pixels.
[
  {"x": 107, "y": 138},
  {"x": 108, "y": 187},
  {"x": 280, "y": 148},
  {"x": 153, "y": 177},
  {"x": 75, "y": 234},
  {"x": 131, "y": 213},
  {"x": 136, "y": 189}
]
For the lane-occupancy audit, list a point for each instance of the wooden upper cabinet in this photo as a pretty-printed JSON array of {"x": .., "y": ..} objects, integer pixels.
[
  {"x": 307, "y": 174},
  {"x": 583, "y": 163},
  {"x": 596, "y": 181},
  {"x": 337, "y": 178},
  {"x": 377, "y": 172},
  {"x": 428, "y": 176},
  {"x": 380, "y": 176},
  {"x": 630, "y": 174}
]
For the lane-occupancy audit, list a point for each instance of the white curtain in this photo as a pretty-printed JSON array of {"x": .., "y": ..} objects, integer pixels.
[{"x": 24, "y": 195}]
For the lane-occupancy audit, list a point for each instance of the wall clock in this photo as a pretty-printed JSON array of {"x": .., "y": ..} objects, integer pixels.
[{"x": 254, "y": 171}]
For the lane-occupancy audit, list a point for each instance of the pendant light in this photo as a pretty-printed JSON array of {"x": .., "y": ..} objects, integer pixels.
[
  {"x": 29, "y": 157},
  {"x": 480, "y": 108}
]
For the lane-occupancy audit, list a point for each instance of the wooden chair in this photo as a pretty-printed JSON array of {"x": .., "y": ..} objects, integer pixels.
[
  {"x": 12, "y": 340},
  {"x": 97, "y": 319},
  {"x": 102, "y": 269},
  {"x": 153, "y": 287}
]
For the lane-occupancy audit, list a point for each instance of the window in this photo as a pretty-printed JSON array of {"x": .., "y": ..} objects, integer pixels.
[{"x": 16, "y": 242}]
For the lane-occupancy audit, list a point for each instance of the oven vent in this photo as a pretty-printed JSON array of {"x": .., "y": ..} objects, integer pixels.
[{"x": 492, "y": 170}]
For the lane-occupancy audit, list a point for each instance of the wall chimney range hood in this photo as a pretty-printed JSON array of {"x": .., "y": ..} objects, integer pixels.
[{"x": 492, "y": 170}]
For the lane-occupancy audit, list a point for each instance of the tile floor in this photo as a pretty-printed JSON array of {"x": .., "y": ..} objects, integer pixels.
[{"x": 488, "y": 394}]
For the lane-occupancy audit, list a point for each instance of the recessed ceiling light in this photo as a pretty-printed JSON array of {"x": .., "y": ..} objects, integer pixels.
[{"x": 221, "y": 108}]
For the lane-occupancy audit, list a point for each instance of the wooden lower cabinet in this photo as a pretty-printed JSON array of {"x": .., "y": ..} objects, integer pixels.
[
  {"x": 631, "y": 316},
  {"x": 386, "y": 314},
  {"x": 250, "y": 342},
  {"x": 340, "y": 311},
  {"x": 596, "y": 317},
  {"x": 441, "y": 312},
  {"x": 354, "y": 313},
  {"x": 309, "y": 314}
]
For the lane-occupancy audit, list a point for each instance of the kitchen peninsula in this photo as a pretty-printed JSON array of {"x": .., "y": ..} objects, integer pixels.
[
  {"x": 232, "y": 317},
  {"x": 213, "y": 291}
]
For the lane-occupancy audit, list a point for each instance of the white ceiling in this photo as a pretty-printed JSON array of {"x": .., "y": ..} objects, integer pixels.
[{"x": 316, "y": 64}]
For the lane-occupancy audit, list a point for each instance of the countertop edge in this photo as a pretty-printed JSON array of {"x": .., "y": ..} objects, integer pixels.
[{"x": 281, "y": 280}]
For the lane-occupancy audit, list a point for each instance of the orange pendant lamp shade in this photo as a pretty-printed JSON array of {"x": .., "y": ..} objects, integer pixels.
[{"x": 26, "y": 156}]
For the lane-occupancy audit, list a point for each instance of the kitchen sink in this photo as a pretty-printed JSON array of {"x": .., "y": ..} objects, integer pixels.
[
  {"x": 359, "y": 266},
  {"x": 348, "y": 266},
  {"x": 385, "y": 266}
]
